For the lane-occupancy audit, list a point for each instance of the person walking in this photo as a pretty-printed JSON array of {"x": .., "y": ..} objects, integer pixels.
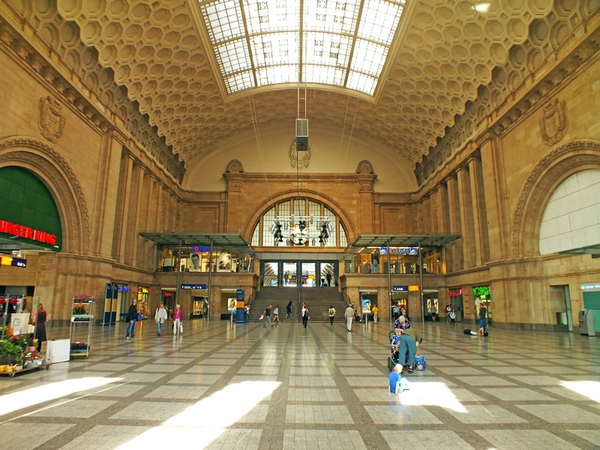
[
  {"x": 160, "y": 317},
  {"x": 40, "y": 326},
  {"x": 305, "y": 315},
  {"x": 267, "y": 318},
  {"x": 349, "y": 316},
  {"x": 132, "y": 314},
  {"x": 331, "y": 314},
  {"x": 328, "y": 279},
  {"x": 177, "y": 319},
  {"x": 276, "y": 314},
  {"x": 375, "y": 311},
  {"x": 288, "y": 310}
]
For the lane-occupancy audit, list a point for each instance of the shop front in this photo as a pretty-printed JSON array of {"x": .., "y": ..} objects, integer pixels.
[
  {"x": 431, "y": 304},
  {"x": 368, "y": 299},
  {"x": 456, "y": 302},
  {"x": 143, "y": 301},
  {"x": 483, "y": 298},
  {"x": 399, "y": 301},
  {"x": 199, "y": 306}
]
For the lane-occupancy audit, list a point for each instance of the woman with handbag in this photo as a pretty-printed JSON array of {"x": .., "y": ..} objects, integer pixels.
[{"x": 177, "y": 320}]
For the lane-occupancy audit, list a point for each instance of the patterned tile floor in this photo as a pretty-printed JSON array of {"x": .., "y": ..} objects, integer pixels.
[{"x": 223, "y": 386}]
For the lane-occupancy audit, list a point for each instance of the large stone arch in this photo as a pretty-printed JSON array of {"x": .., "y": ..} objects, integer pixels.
[
  {"x": 59, "y": 178},
  {"x": 351, "y": 233},
  {"x": 544, "y": 179}
]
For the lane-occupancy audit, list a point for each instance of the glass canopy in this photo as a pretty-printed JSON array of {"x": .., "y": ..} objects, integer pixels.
[{"x": 342, "y": 43}]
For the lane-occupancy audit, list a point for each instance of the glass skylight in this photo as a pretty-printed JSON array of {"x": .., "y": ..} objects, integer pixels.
[{"x": 266, "y": 42}]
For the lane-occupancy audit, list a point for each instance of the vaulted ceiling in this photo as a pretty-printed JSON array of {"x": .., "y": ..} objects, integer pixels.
[{"x": 452, "y": 63}]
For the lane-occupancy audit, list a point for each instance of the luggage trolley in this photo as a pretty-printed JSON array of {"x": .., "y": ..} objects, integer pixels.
[{"x": 82, "y": 317}]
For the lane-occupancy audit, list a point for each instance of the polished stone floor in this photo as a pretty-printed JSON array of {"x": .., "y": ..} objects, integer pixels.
[{"x": 224, "y": 386}]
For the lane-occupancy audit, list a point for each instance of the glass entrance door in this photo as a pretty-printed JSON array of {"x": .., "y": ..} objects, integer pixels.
[
  {"x": 270, "y": 274},
  {"x": 290, "y": 274},
  {"x": 299, "y": 273},
  {"x": 309, "y": 274}
]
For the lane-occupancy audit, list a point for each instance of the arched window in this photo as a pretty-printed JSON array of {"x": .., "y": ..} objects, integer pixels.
[{"x": 299, "y": 222}]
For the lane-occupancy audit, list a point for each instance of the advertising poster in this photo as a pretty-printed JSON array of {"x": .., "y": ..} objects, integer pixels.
[
  {"x": 195, "y": 262},
  {"x": 231, "y": 305},
  {"x": 224, "y": 263},
  {"x": 366, "y": 306}
]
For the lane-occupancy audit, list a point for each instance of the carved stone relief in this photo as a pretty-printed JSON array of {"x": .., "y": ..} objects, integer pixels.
[
  {"x": 51, "y": 120},
  {"x": 299, "y": 158},
  {"x": 553, "y": 123}
]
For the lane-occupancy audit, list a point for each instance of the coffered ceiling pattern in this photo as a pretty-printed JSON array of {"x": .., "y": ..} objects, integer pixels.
[{"x": 446, "y": 55}]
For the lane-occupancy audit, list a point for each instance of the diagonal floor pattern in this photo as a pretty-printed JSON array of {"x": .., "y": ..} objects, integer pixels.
[{"x": 224, "y": 386}]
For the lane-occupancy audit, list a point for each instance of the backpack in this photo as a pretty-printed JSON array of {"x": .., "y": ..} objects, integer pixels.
[
  {"x": 420, "y": 362},
  {"x": 331, "y": 311}
]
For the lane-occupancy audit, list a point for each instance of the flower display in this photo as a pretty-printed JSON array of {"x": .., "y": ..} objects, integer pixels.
[{"x": 82, "y": 305}]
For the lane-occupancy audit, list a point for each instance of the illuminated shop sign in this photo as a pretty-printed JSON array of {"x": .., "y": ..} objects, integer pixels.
[
  {"x": 590, "y": 287},
  {"x": 193, "y": 287},
  {"x": 25, "y": 232},
  {"x": 14, "y": 262},
  {"x": 455, "y": 292},
  {"x": 197, "y": 248},
  {"x": 400, "y": 288},
  {"x": 411, "y": 251},
  {"x": 481, "y": 290},
  {"x": 413, "y": 288}
]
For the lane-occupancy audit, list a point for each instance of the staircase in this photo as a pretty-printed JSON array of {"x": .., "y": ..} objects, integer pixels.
[{"x": 317, "y": 300}]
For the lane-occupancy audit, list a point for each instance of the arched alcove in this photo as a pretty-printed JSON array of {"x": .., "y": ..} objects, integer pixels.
[
  {"x": 54, "y": 171},
  {"x": 552, "y": 170},
  {"x": 571, "y": 220},
  {"x": 342, "y": 231}
]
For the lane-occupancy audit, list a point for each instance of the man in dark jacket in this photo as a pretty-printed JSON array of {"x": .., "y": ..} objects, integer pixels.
[{"x": 132, "y": 319}]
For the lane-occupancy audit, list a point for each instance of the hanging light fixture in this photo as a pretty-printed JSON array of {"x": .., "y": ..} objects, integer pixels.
[{"x": 301, "y": 230}]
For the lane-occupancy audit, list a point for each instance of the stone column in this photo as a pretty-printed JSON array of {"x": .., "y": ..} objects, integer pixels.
[
  {"x": 466, "y": 215},
  {"x": 494, "y": 195},
  {"x": 121, "y": 221},
  {"x": 443, "y": 212},
  {"x": 455, "y": 260},
  {"x": 479, "y": 216},
  {"x": 143, "y": 218},
  {"x": 133, "y": 219},
  {"x": 365, "y": 177},
  {"x": 234, "y": 177}
]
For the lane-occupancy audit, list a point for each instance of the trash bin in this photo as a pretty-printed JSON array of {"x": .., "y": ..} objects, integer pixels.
[
  {"x": 561, "y": 318},
  {"x": 586, "y": 322}
]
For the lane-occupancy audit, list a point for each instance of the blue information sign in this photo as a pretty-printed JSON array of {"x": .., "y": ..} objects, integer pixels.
[
  {"x": 400, "y": 288},
  {"x": 240, "y": 311},
  {"x": 193, "y": 287}
]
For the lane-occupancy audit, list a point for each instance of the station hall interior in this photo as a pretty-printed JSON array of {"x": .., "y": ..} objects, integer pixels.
[{"x": 226, "y": 156}]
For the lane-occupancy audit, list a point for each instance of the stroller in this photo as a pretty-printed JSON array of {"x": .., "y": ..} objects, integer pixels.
[{"x": 393, "y": 359}]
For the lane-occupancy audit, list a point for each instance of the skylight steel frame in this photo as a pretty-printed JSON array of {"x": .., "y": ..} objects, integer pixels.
[{"x": 342, "y": 43}]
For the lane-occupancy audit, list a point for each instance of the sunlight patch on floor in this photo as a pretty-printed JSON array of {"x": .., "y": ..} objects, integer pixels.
[
  {"x": 589, "y": 389},
  {"x": 431, "y": 394},
  {"x": 34, "y": 396},
  {"x": 206, "y": 420}
]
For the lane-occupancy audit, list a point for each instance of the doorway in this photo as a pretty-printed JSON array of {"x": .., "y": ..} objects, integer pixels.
[{"x": 307, "y": 274}]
